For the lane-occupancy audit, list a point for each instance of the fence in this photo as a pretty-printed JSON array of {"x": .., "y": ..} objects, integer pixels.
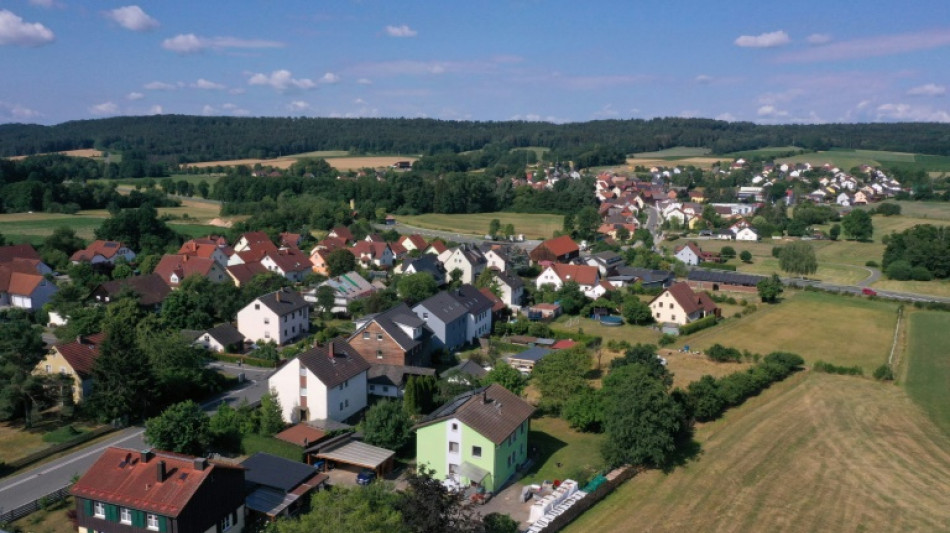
[
  {"x": 614, "y": 479},
  {"x": 35, "y": 505}
]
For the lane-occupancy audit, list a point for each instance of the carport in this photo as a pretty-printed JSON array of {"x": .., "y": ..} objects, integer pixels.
[{"x": 356, "y": 453}]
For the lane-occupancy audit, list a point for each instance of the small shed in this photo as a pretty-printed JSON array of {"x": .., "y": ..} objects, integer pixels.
[
  {"x": 526, "y": 360},
  {"x": 346, "y": 450}
]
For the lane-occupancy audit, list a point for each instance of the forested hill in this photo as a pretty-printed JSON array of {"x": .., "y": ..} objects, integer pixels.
[{"x": 180, "y": 138}]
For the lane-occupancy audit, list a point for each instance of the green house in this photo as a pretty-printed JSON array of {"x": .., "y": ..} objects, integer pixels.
[{"x": 478, "y": 438}]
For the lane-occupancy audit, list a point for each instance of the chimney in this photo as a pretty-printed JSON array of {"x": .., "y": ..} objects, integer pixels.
[
  {"x": 277, "y": 295},
  {"x": 78, "y": 339},
  {"x": 160, "y": 471},
  {"x": 200, "y": 463},
  {"x": 146, "y": 455},
  {"x": 485, "y": 396},
  {"x": 330, "y": 353}
]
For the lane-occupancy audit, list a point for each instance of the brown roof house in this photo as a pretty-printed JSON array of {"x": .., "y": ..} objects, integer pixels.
[
  {"x": 679, "y": 305},
  {"x": 131, "y": 491},
  {"x": 103, "y": 252},
  {"x": 149, "y": 290},
  {"x": 173, "y": 269},
  {"x": 557, "y": 250},
  {"x": 394, "y": 337},
  {"x": 75, "y": 360},
  {"x": 324, "y": 382},
  {"x": 479, "y": 437}
]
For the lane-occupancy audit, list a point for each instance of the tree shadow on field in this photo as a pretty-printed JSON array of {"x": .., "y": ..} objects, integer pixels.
[{"x": 688, "y": 450}]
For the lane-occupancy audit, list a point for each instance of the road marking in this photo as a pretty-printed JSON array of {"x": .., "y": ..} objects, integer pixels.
[{"x": 71, "y": 460}]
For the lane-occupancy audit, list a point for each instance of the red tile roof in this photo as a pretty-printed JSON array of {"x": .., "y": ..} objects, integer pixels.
[
  {"x": 122, "y": 477},
  {"x": 290, "y": 239},
  {"x": 689, "y": 300},
  {"x": 106, "y": 249},
  {"x": 19, "y": 278},
  {"x": 561, "y": 246},
  {"x": 301, "y": 435},
  {"x": 182, "y": 266},
  {"x": 582, "y": 274},
  {"x": 244, "y": 273},
  {"x": 497, "y": 304},
  {"x": 341, "y": 232},
  {"x": 417, "y": 241},
  {"x": 18, "y": 251},
  {"x": 564, "y": 344},
  {"x": 196, "y": 249},
  {"x": 291, "y": 260},
  {"x": 82, "y": 353},
  {"x": 438, "y": 246}
]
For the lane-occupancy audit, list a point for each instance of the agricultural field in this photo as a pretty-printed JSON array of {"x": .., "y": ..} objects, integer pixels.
[
  {"x": 769, "y": 151},
  {"x": 679, "y": 151},
  {"x": 533, "y": 226},
  {"x": 927, "y": 378},
  {"x": 814, "y": 325},
  {"x": 847, "y": 159},
  {"x": 338, "y": 160},
  {"x": 816, "y": 452}
]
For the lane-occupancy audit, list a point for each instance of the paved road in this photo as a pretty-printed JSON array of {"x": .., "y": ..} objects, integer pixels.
[{"x": 39, "y": 481}]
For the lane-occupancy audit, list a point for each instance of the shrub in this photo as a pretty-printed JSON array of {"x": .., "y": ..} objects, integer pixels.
[
  {"x": 720, "y": 353},
  {"x": 776, "y": 251},
  {"x": 828, "y": 368},
  {"x": 746, "y": 256},
  {"x": 899, "y": 270},
  {"x": 666, "y": 340},
  {"x": 872, "y": 263},
  {"x": 787, "y": 359},
  {"x": 700, "y": 324},
  {"x": 884, "y": 373},
  {"x": 920, "y": 273}
]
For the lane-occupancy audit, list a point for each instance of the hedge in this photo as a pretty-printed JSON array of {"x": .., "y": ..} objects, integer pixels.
[
  {"x": 828, "y": 368},
  {"x": 718, "y": 266},
  {"x": 252, "y": 361},
  {"x": 700, "y": 324}
]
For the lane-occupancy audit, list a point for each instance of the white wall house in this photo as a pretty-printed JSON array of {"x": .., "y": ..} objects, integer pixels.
[
  {"x": 747, "y": 234},
  {"x": 325, "y": 382},
  {"x": 281, "y": 316},
  {"x": 688, "y": 254},
  {"x": 496, "y": 260},
  {"x": 469, "y": 261},
  {"x": 587, "y": 277}
]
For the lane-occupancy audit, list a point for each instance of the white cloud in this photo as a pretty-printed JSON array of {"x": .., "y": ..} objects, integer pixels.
[
  {"x": 607, "y": 111},
  {"x": 190, "y": 43},
  {"x": 43, "y": 3},
  {"x": 237, "y": 90},
  {"x": 930, "y": 89},
  {"x": 235, "y": 110},
  {"x": 132, "y": 18},
  {"x": 906, "y": 112},
  {"x": 329, "y": 78},
  {"x": 401, "y": 31},
  {"x": 364, "y": 81},
  {"x": 205, "y": 84},
  {"x": 159, "y": 86},
  {"x": 208, "y": 110},
  {"x": 298, "y": 105},
  {"x": 16, "y": 112},
  {"x": 134, "y": 96},
  {"x": 765, "y": 40},
  {"x": 703, "y": 78},
  {"x": 14, "y": 30},
  {"x": 359, "y": 101},
  {"x": 771, "y": 111},
  {"x": 155, "y": 110},
  {"x": 876, "y": 46},
  {"x": 818, "y": 38},
  {"x": 728, "y": 117},
  {"x": 105, "y": 108},
  {"x": 281, "y": 80}
]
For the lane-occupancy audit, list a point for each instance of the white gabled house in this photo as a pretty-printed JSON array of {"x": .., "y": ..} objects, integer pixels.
[{"x": 281, "y": 316}]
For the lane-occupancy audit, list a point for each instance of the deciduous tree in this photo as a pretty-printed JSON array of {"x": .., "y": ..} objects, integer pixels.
[
  {"x": 182, "y": 428},
  {"x": 387, "y": 425},
  {"x": 506, "y": 376},
  {"x": 857, "y": 225},
  {"x": 798, "y": 258}
]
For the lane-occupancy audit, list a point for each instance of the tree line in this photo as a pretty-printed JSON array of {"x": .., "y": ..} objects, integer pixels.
[{"x": 182, "y": 138}]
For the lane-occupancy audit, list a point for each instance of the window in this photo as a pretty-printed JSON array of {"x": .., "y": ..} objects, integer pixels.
[
  {"x": 49, "y": 369},
  {"x": 379, "y": 354},
  {"x": 476, "y": 451},
  {"x": 303, "y": 391},
  {"x": 379, "y": 336},
  {"x": 453, "y": 447},
  {"x": 365, "y": 335},
  {"x": 226, "y": 523},
  {"x": 285, "y": 319},
  {"x": 99, "y": 510},
  {"x": 425, "y": 316},
  {"x": 151, "y": 522},
  {"x": 62, "y": 370},
  {"x": 266, "y": 320},
  {"x": 266, "y": 334},
  {"x": 671, "y": 306},
  {"x": 285, "y": 332},
  {"x": 346, "y": 403},
  {"x": 455, "y": 426},
  {"x": 257, "y": 307},
  {"x": 673, "y": 318},
  {"x": 125, "y": 515},
  {"x": 341, "y": 406}
]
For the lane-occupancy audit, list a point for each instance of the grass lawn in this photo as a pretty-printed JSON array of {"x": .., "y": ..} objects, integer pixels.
[
  {"x": 934, "y": 211},
  {"x": 254, "y": 443},
  {"x": 34, "y": 227},
  {"x": 17, "y": 442},
  {"x": 577, "y": 453},
  {"x": 53, "y": 519},
  {"x": 928, "y": 368},
  {"x": 626, "y": 332},
  {"x": 687, "y": 367},
  {"x": 816, "y": 452},
  {"x": 934, "y": 288},
  {"x": 818, "y": 326},
  {"x": 533, "y": 226}
]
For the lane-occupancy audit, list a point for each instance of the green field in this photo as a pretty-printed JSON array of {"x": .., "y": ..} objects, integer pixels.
[
  {"x": 676, "y": 152},
  {"x": 816, "y": 452},
  {"x": 533, "y": 226},
  {"x": 577, "y": 453},
  {"x": 34, "y": 227},
  {"x": 818, "y": 326},
  {"x": 928, "y": 364},
  {"x": 847, "y": 159},
  {"x": 770, "y": 151}
]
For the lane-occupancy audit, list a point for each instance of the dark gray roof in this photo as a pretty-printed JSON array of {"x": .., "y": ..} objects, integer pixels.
[
  {"x": 472, "y": 299},
  {"x": 510, "y": 279},
  {"x": 647, "y": 275},
  {"x": 283, "y": 301},
  {"x": 722, "y": 276},
  {"x": 276, "y": 472},
  {"x": 395, "y": 375},
  {"x": 150, "y": 288},
  {"x": 389, "y": 320},
  {"x": 492, "y": 411},
  {"x": 532, "y": 354},
  {"x": 444, "y": 307},
  {"x": 344, "y": 363},
  {"x": 226, "y": 334},
  {"x": 608, "y": 257},
  {"x": 426, "y": 263},
  {"x": 467, "y": 367}
]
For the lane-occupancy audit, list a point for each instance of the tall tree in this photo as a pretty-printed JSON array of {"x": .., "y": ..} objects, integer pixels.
[
  {"x": 387, "y": 425},
  {"x": 414, "y": 288},
  {"x": 21, "y": 349},
  {"x": 270, "y": 415},
  {"x": 635, "y": 310},
  {"x": 857, "y": 225},
  {"x": 182, "y": 428},
  {"x": 770, "y": 288},
  {"x": 798, "y": 258},
  {"x": 427, "y": 506},
  {"x": 506, "y": 376},
  {"x": 561, "y": 374},
  {"x": 340, "y": 262}
]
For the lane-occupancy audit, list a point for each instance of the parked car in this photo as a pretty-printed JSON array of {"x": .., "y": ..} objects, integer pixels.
[
  {"x": 868, "y": 291},
  {"x": 365, "y": 477}
]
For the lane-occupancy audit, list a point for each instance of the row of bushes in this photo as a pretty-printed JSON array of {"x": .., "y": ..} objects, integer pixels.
[
  {"x": 710, "y": 397},
  {"x": 698, "y": 325},
  {"x": 828, "y": 368},
  {"x": 252, "y": 361}
]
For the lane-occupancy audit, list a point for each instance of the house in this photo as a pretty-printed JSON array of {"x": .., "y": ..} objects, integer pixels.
[
  {"x": 174, "y": 269},
  {"x": 524, "y": 362},
  {"x": 605, "y": 261},
  {"x": 371, "y": 254},
  {"x": 497, "y": 259},
  {"x": 223, "y": 338},
  {"x": 290, "y": 240},
  {"x": 100, "y": 251},
  {"x": 648, "y": 278},
  {"x": 342, "y": 233},
  {"x": 747, "y": 234},
  {"x": 469, "y": 261},
  {"x": 276, "y": 487},
  {"x": 557, "y": 250},
  {"x": 689, "y": 253},
  {"x": 281, "y": 316},
  {"x": 290, "y": 263},
  {"x": 390, "y": 380},
  {"x": 75, "y": 360},
  {"x": 253, "y": 239},
  {"x": 436, "y": 247},
  {"x": 149, "y": 290},
  {"x": 678, "y": 304},
  {"x": 242, "y": 273},
  {"x": 140, "y": 491},
  {"x": 207, "y": 250},
  {"x": 347, "y": 289},
  {"x": 544, "y": 311},
  {"x": 22, "y": 286},
  {"x": 456, "y": 317},
  {"x": 413, "y": 242},
  {"x": 510, "y": 289},
  {"x": 323, "y": 382},
  {"x": 23, "y": 258},
  {"x": 394, "y": 337},
  {"x": 478, "y": 438},
  {"x": 427, "y": 263},
  {"x": 586, "y": 277}
]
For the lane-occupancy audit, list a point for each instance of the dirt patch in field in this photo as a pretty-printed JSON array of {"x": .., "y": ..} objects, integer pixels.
[
  {"x": 339, "y": 163},
  {"x": 220, "y": 222},
  {"x": 85, "y": 152}
]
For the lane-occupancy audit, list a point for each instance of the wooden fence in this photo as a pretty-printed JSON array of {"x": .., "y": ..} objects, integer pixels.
[{"x": 33, "y": 506}]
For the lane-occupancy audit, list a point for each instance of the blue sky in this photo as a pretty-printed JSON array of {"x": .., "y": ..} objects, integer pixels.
[{"x": 560, "y": 61}]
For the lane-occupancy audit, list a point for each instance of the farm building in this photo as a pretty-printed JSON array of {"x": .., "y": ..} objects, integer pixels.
[{"x": 720, "y": 280}]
